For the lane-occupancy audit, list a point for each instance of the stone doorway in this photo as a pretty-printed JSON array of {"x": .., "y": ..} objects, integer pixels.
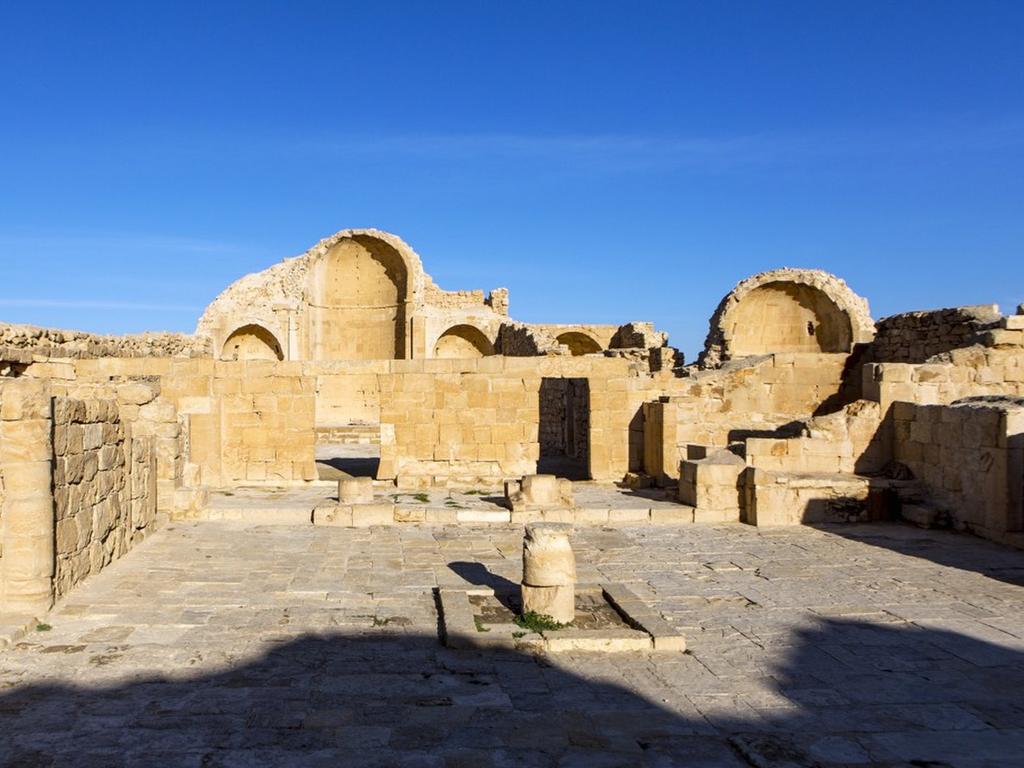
[
  {"x": 564, "y": 431},
  {"x": 351, "y": 450}
]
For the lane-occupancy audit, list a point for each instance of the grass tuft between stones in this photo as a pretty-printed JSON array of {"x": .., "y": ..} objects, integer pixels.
[
  {"x": 538, "y": 622},
  {"x": 43, "y": 627}
]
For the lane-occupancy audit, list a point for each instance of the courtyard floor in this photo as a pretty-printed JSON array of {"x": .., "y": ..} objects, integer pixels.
[{"x": 226, "y": 644}]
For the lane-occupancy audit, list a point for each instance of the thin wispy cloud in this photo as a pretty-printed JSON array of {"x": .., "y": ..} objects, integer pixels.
[
  {"x": 596, "y": 151},
  {"x": 98, "y": 304},
  {"x": 644, "y": 152},
  {"x": 142, "y": 243}
]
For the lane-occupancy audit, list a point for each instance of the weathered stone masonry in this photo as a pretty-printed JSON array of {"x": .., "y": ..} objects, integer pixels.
[{"x": 799, "y": 410}]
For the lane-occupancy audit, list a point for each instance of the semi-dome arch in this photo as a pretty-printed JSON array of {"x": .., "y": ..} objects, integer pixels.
[
  {"x": 579, "y": 343},
  {"x": 463, "y": 341},
  {"x": 251, "y": 341},
  {"x": 787, "y": 310}
]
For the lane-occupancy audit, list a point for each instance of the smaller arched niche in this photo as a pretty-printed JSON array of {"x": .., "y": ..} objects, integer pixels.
[
  {"x": 578, "y": 343},
  {"x": 463, "y": 341},
  {"x": 789, "y": 317},
  {"x": 787, "y": 310},
  {"x": 251, "y": 342}
]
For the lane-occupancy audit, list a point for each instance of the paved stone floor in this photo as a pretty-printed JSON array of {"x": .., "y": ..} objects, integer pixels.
[{"x": 219, "y": 644}]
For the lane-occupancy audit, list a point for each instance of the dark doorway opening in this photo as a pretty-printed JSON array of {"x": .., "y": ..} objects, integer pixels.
[
  {"x": 564, "y": 432},
  {"x": 348, "y": 450}
]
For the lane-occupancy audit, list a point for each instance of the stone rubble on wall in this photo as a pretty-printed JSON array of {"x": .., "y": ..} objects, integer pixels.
[
  {"x": 437, "y": 297},
  {"x": 521, "y": 340},
  {"x": 638, "y": 335},
  {"x": 914, "y": 337},
  {"x": 21, "y": 342}
]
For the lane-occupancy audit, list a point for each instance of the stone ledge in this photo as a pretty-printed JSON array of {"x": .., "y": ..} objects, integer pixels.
[
  {"x": 636, "y": 612},
  {"x": 13, "y": 627},
  {"x": 645, "y": 629}
]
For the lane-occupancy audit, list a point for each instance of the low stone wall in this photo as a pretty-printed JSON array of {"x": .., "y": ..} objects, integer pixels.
[
  {"x": 913, "y": 337},
  {"x": 970, "y": 457},
  {"x": 104, "y": 487},
  {"x": 79, "y": 487},
  {"x": 24, "y": 341}
]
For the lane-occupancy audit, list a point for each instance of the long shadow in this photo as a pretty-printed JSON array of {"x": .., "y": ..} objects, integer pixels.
[
  {"x": 505, "y": 590},
  {"x": 942, "y": 547},
  {"x": 844, "y": 693},
  {"x": 340, "y": 467}
]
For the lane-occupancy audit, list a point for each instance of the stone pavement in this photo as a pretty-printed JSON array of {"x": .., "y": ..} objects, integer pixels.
[
  {"x": 294, "y": 505},
  {"x": 222, "y": 644}
]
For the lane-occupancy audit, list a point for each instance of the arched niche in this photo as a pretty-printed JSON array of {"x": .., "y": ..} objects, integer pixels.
[
  {"x": 788, "y": 317},
  {"x": 787, "y": 310},
  {"x": 251, "y": 342},
  {"x": 578, "y": 343},
  {"x": 360, "y": 301},
  {"x": 463, "y": 341}
]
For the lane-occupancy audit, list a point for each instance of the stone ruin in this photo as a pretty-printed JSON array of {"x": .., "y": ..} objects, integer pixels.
[
  {"x": 549, "y": 572},
  {"x": 801, "y": 409},
  {"x": 556, "y": 613}
]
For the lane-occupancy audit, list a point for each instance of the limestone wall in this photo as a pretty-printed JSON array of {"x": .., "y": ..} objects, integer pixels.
[
  {"x": 975, "y": 370},
  {"x": 480, "y": 423},
  {"x": 970, "y": 456},
  {"x": 459, "y": 428},
  {"x": 104, "y": 486},
  {"x": 348, "y": 393},
  {"x": 24, "y": 341},
  {"x": 80, "y": 484},
  {"x": 716, "y": 407},
  {"x": 257, "y": 426},
  {"x": 851, "y": 441},
  {"x": 913, "y": 337}
]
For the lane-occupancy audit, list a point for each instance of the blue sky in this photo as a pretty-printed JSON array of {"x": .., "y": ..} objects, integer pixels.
[{"x": 604, "y": 161}]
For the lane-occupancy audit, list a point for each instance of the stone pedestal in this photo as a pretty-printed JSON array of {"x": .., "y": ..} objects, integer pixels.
[
  {"x": 538, "y": 498},
  {"x": 355, "y": 490},
  {"x": 549, "y": 572},
  {"x": 712, "y": 485}
]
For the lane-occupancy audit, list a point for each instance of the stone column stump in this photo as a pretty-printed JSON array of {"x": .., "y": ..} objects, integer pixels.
[
  {"x": 549, "y": 572},
  {"x": 355, "y": 490}
]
